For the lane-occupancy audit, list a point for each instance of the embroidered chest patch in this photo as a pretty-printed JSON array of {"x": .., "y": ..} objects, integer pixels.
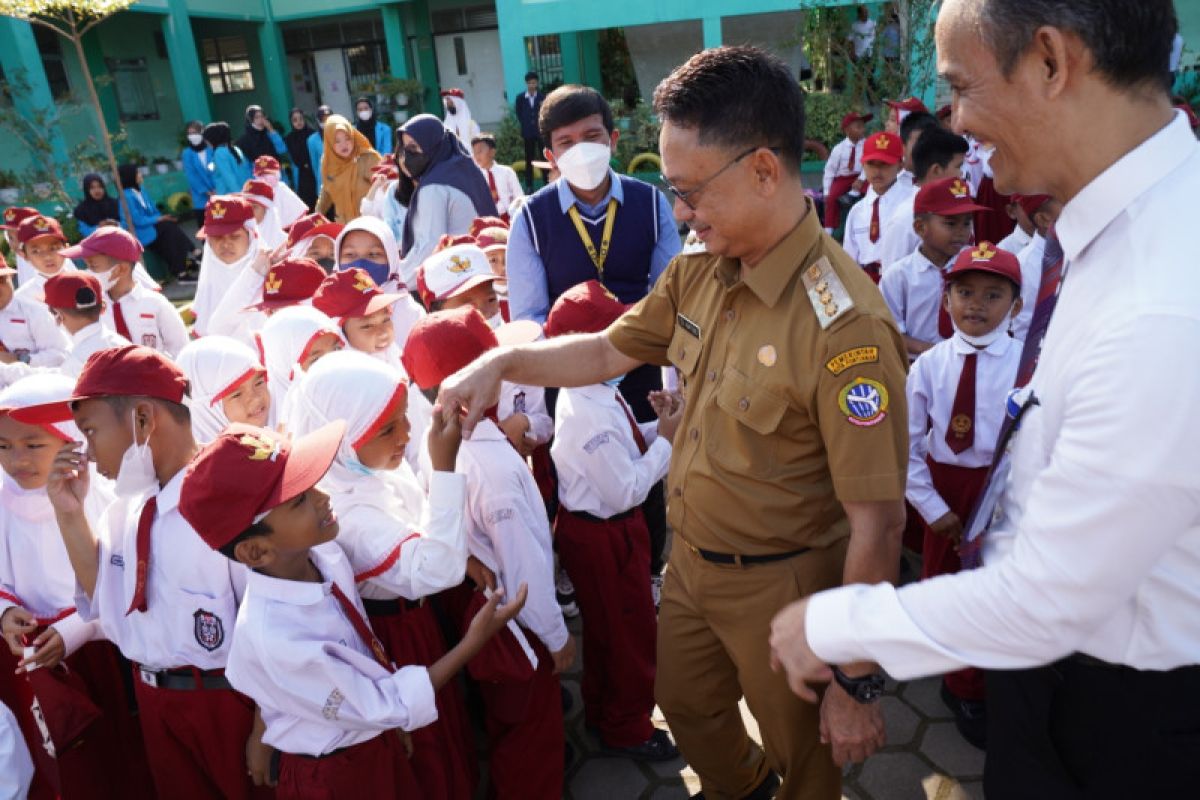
[{"x": 208, "y": 629}]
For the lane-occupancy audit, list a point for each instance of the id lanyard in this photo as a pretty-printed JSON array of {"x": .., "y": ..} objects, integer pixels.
[{"x": 598, "y": 259}]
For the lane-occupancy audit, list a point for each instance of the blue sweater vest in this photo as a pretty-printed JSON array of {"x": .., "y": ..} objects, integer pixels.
[{"x": 634, "y": 237}]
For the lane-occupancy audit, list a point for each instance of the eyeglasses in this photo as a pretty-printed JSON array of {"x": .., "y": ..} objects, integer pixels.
[{"x": 683, "y": 197}]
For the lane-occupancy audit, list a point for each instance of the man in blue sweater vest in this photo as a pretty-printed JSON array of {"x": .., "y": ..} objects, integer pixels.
[{"x": 592, "y": 224}]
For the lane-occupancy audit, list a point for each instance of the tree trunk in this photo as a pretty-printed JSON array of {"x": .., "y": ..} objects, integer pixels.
[{"x": 77, "y": 40}]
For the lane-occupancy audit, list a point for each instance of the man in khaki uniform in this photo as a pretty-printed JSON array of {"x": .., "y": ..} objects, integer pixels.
[{"x": 789, "y": 466}]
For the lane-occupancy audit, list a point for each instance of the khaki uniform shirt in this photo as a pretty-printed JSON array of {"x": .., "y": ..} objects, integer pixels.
[{"x": 794, "y": 382}]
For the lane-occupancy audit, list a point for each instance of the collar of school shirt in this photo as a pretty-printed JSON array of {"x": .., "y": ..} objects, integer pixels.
[
  {"x": 1118, "y": 187},
  {"x": 596, "y": 391},
  {"x": 87, "y": 332},
  {"x": 168, "y": 496},
  {"x": 486, "y": 430},
  {"x": 996, "y": 348},
  {"x": 922, "y": 263},
  {"x": 567, "y": 198},
  {"x": 297, "y": 593},
  {"x": 770, "y": 277}
]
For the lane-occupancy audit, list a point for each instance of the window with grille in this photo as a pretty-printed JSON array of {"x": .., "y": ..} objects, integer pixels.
[
  {"x": 544, "y": 54},
  {"x": 50, "y": 49},
  {"x": 134, "y": 89},
  {"x": 227, "y": 65}
]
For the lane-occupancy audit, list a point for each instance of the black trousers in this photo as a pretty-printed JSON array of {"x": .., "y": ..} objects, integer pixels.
[
  {"x": 1080, "y": 729},
  {"x": 533, "y": 152},
  {"x": 172, "y": 245}
]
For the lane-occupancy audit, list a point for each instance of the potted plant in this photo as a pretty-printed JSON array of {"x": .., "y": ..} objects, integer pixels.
[
  {"x": 402, "y": 90},
  {"x": 162, "y": 165},
  {"x": 10, "y": 190}
]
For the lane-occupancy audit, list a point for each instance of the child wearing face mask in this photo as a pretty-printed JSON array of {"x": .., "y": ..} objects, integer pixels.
[
  {"x": 956, "y": 403},
  {"x": 312, "y": 236},
  {"x": 160, "y": 594},
  {"x": 228, "y": 384},
  {"x": 77, "y": 302},
  {"x": 136, "y": 313},
  {"x": 367, "y": 244},
  {"x": 62, "y": 660},
  {"x": 262, "y": 196},
  {"x": 15, "y": 215}
]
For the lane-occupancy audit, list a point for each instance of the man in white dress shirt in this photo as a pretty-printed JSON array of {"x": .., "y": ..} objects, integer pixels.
[{"x": 1087, "y": 607}]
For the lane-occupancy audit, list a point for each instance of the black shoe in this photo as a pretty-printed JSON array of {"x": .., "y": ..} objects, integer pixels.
[
  {"x": 567, "y": 700},
  {"x": 657, "y": 748},
  {"x": 970, "y": 717},
  {"x": 764, "y": 791}
]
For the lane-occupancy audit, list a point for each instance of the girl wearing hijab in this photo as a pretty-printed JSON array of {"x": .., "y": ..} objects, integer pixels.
[
  {"x": 228, "y": 384},
  {"x": 304, "y": 174},
  {"x": 378, "y": 133},
  {"x": 292, "y": 340},
  {"x": 402, "y": 545},
  {"x": 367, "y": 243},
  {"x": 230, "y": 247},
  {"x": 196, "y": 157},
  {"x": 229, "y": 166},
  {"x": 157, "y": 232},
  {"x": 259, "y": 138},
  {"x": 96, "y": 208},
  {"x": 450, "y": 190},
  {"x": 345, "y": 169}
]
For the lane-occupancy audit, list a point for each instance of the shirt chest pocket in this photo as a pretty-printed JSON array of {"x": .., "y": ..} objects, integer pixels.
[
  {"x": 684, "y": 351},
  {"x": 742, "y": 431}
]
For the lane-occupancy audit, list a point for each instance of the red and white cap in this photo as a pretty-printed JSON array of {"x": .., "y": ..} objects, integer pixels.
[
  {"x": 584, "y": 308},
  {"x": 290, "y": 282},
  {"x": 73, "y": 291},
  {"x": 444, "y": 342},
  {"x": 224, "y": 214},
  {"x": 309, "y": 226},
  {"x": 41, "y": 390},
  {"x": 907, "y": 105},
  {"x": 454, "y": 93},
  {"x": 266, "y": 164},
  {"x": 247, "y": 471},
  {"x": 986, "y": 257},
  {"x": 38, "y": 227},
  {"x": 946, "y": 197},
  {"x": 492, "y": 239},
  {"x": 480, "y": 223},
  {"x": 883, "y": 147},
  {"x": 261, "y": 192},
  {"x": 351, "y": 293},
  {"x": 126, "y": 371},
  {"x": 108, "y": 240},
  {"x": 15, "y": 215},
  {"x": 855, "y": 116},
  {"x": 453, "y": 271}
]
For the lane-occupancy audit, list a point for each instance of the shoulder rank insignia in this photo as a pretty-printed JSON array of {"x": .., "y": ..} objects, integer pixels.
[{"x": 826, "y": 292}]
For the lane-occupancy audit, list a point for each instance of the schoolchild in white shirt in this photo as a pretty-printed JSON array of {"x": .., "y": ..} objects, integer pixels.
[
  {"x": 29, "y": 336},
  {"x": 882, "y": 153},
  {"x": 77, "y": 302},
  {"x": 228, "y": 384},
  {"x": 1042, "y": 212},
  {"x": 843, "y": 167}
]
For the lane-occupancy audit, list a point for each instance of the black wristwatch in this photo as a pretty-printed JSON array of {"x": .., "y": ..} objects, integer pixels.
[{"x": 867, "y": 689}]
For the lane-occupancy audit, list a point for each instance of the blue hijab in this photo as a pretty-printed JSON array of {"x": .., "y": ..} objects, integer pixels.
[{"x": 449, "y": 165}]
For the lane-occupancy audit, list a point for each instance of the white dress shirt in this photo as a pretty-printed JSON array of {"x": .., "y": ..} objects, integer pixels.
[
  {"x": 1016, "y": 241},
  {"x": 857, "y": 241},
  {"x": 600, "y": 469},
  {"x": 1030, "y": 258},
  {"x": 192, "y": 591},
  {"x": 898, "y": 238},
  {"x": 412, "y": 555},
  {"x": 507, "y": 185},
  {"x": 152, "y": 320},
  {"x": 35, "y": 288},
  {"x": 86, "y": 341},
  {"x": 507, "y": 528},
  {"x": 298, "y": 656},
  {"x": 913, "y": 289},
  {"x": 1095, "y": 547},
  {"x": 516, "y": 398},
  {"x": 838, "y": 163},
  {"x": 932, "y": 386},
  {"x": 27, "y": 326},
  {"x": 35, "y": 572}
]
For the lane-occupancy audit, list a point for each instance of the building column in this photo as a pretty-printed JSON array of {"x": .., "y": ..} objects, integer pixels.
[
  {"x": 712, "y": 32},
  {"x": 568, "y": 44},
  {"x": 394, "y": 37},
  {"x": 512, "y": 48},
  {"x": 589, "y": 60},
  {"x": 184, "y": 58},
  {"x": 424, "y": 57},
  {"x": 275, "y": 65},
  {"x": 22, "y": 62},
  {"x": 104, "y": 86}
]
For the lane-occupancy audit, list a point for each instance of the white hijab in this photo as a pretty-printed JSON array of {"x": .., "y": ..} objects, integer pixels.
[
  {"x": 214, "y": 366},
  {"x": 216, "y": 276},
  {"x": 461, "y": 122},
  {"x": 321, "y": 397},
  {"x": 405, "y": 311},
  {"x": 285, "y": 341}
]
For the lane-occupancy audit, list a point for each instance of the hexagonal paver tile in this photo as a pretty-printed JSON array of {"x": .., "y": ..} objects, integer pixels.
[
  {"x": 608, "y": 778},
  {"x": 669, "y": 793},
  {"x": 900, "y": 720},
  {"x": 943, "y": 745},
  {"x": 923, "y": 696},
  {"x": 894, "y": 776}
]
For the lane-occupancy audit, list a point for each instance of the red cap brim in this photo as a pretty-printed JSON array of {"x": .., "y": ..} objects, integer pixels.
[
  {"x": 46, "y": 413},
  {"x": 308, "y": 461},
  {"x": 75, "y": 251},
  {"x": 218, "y": 229},
  {"x": 962, "y": 208},
  {"x": 884, "y": 157}
]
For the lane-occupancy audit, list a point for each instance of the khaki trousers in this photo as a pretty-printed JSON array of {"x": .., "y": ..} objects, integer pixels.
[{"x": 713, "y": 629}]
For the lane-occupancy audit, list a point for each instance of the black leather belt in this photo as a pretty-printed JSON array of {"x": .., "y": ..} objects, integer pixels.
[
  {"x": 601, "y": 520},
  {"x": 740, "y": 560},
  {"x": 185, "y": 678},
  {"x": 389, "y": 608}
]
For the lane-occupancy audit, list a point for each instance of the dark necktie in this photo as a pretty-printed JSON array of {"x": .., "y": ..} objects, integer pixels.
[
  {"x": 960, "y": 433},
  {"x": 361, "y": 627},
  {"x": 145, "y": 523},
  {"x": 874, "y": 233},
  {"x": 853, "y": 152},
  {"x": 1043, "y": 309},
  {"x": 638, "y": 438},
  {"x": 119, "y": 321},
  {"x": 492, "y": 186}
]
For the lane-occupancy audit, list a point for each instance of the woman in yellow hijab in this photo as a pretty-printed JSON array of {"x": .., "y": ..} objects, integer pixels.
[{"x": 345, "y": 168}]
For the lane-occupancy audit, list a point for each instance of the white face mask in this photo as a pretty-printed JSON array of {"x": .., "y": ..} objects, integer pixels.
[
  {"x": 194, "y": 139},
  {"x": 364, "y": 115},
  {"x": 136, "y": 476},
  {"x": 107, "y": 279},
  {"x": 991, "y": 336},
  {"x": 585, "y": 165}
]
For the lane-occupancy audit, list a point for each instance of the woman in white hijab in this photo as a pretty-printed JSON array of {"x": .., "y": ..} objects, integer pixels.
[
  {"x": 293, "y": 340},
  {"x": 458, "y": 116},
  {"x": 228, "y": 384},
  {"x": 401, "y": 546}
]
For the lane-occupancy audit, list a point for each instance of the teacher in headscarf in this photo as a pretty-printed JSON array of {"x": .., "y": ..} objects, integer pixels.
[
  {"x": 451, "y": 191},
  {"x": 304, "y": 172},
  {"x": 259, "y": 138},
  {"x": 97, "y": 207},
  {"x": 345, "y": 169}
]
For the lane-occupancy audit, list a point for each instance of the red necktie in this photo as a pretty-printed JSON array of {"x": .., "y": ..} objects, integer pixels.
[
  {"x": 492, "y": 186},
  {"x": 119, "y": 320},
  {"x": 874, "y": 234},
  {"x": 145, "y": 523},
  {"x": 362, "y": 627},
  {"x": 853, "y": 152},
  {"x": 960, "y": 433},
  {"x": 638, "y": 438}
]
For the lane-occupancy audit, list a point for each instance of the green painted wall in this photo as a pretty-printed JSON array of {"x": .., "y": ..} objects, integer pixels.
[{"x": 232, "y": 107}]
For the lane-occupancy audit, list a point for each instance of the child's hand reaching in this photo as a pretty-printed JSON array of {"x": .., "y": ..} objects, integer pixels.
[
  {"x": 493, "y": 616},
  {"x": 444, "y": 439},
  {"x": 16, "y": 624},
  {"x": 669, "y": 408}
]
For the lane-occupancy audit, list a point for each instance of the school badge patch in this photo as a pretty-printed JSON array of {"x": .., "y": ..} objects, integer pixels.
[
  {"x": 208, "y": 629},
  {"x": 864, "y": 402}
]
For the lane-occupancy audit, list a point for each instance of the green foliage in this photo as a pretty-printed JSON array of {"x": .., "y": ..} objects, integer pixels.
[
  {"x": 510, "y": 148},
  {"x": 8, "y": 179},
  {"x": 823, "y": 112},
  {"x": 639, "y": 131},
  {"x": 616, "y": 67}
]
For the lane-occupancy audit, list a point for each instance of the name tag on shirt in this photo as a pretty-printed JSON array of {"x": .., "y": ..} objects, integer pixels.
[{"x": 688, "y": 325}]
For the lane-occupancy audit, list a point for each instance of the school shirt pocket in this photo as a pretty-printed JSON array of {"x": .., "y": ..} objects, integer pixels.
[
  {"x": 208, "y": 620},
  {"x": 742, "y": 429}
]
